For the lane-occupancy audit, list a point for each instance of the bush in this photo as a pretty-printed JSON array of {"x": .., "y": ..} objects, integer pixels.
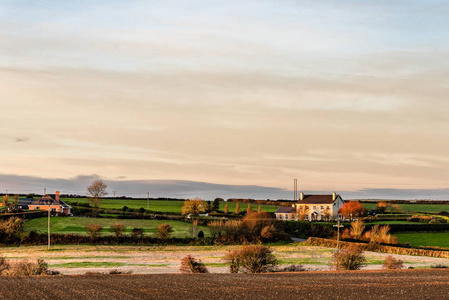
[
  {"x": 291, "y": 268},
  {"x": 252, "y": 259},
  {"x": 350, "y": 258},
  {"x": 191, "y": 265},
  {"x": 201, "y": 234},
  {"x": 357, "y": 229},
  {"x": 10, "y": 230},
  {"x": 392, "y": 263},
  {"x": 137, "y": 233},
  {"x": 4, "y": 266},
  {"x": 27, "y": 268},
  {"x": 117, "y": 272},
  {"x": 164, "y": 230},
  {"x": 254, "y": 227},
  {"x": 419, "y": 218},
  {"x": 93, "y": 230},
  {"x": 118, "y": 229},
  {"x": 439, "y": 266}
]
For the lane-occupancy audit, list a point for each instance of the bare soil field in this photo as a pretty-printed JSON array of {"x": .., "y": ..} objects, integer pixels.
[
  {"x": 80, "y": 259},
  {"x": 404, "y": 284}
]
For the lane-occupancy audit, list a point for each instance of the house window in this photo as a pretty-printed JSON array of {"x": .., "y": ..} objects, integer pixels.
[
  {"x": 314, "y": 207},
  {"x": 322, "y": 207}
]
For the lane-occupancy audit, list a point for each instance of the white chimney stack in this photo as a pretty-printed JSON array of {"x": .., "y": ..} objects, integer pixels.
[
  {"x": 301, "y": 196},
  {"x": 334, "y": 196}
]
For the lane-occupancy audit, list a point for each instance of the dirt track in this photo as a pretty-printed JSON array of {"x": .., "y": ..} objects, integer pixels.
[{"x": 404, "y": 284}]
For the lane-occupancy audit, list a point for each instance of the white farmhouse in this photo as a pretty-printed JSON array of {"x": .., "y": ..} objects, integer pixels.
[{"x": 312, "y": 208}]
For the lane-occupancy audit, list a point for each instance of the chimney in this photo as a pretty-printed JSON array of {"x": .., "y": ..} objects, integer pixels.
[
  {"x": 334, "y": 196},
  {"x": 57, "y": 196},
  {"x": 301, "y": 196}
]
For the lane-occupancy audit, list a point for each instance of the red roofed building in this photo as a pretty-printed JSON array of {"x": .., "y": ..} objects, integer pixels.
[{"x": 53, "y": 203}]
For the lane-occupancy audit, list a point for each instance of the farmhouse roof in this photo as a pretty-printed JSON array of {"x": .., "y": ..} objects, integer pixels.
[
  {"x": 318, "y": 199},
  {"x": 285, "y": 210},
  {"x": 48, "y": 200}
]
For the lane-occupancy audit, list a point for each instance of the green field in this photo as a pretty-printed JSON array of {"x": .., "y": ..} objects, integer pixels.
[
  {"x": 413, "y": 208},
  {"x": 392, "y": 222},
  {"x": 165, "y": 206},
  {"x": 77, "y": 225},
  {"x": 436, "y": 239}
]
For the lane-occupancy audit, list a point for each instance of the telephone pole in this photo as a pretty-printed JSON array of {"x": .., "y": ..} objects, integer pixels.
[
  {"x": 148, "y": 200},
  {"x": 48, "y": 230}
]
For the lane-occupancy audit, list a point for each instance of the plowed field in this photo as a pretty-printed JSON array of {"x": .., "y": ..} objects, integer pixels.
[{"x": 404, "y": 284}]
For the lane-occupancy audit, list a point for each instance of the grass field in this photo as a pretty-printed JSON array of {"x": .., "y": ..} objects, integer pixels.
[
  {"x": 164, "y": 206},
  {"x": 77, "y": 225},
  {"x": 412, "y": 208},
  {"x": 435, "y": 239},
  {"x": 392, "y": 222}
]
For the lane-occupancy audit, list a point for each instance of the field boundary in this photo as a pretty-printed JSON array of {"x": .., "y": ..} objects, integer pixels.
[{"x": 314, "y": 241}]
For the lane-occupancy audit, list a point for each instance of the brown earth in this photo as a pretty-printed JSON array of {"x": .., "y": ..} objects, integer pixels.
[{"x": 402, "y": 284}]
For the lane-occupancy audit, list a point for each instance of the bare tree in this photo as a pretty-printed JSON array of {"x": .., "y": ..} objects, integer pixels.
[{"x": 97, "y": 190}]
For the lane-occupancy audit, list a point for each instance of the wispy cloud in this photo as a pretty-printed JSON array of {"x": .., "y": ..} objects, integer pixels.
[{"x": 21, "y": 139}]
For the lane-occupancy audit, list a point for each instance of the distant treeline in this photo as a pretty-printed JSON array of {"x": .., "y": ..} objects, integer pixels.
[
  {"x": 402, "y": 201},
  {"x": 267, "y": 202}
]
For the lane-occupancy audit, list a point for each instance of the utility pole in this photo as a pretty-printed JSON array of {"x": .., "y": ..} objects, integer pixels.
[
  {"x": 114, "y": 193},
  {"x": 45, "y": 191},
  {"x": 49, "y": 209},
  {"x": 338, "y": 235},
  {"x": 148, "y": 200}
]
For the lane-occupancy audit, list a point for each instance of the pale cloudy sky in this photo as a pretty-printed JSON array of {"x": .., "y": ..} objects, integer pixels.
[{"x": 343, "y": 95}]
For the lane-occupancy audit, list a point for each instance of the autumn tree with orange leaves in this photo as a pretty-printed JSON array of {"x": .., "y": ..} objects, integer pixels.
[{"x": 352, "y": 209}]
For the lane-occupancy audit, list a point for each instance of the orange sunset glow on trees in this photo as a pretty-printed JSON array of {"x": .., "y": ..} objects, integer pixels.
[{"x": 352, "y": 209}]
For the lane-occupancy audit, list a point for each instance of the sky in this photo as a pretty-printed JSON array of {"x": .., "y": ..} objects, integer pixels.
[{"x": 345, "y": 96}]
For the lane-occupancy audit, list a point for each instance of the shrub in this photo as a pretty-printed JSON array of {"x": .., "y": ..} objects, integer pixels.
[
  {"x": 379, "y": 235},
  {"x": 248, "y": 209},
  {"x": 4, "y": 265},
  {"x": 382, "y": 206},
  {"x": 117, "y": 272},
  {"x": 357, "y": 229},
  {"x": 252, "y": 259},
  {"x": 27, "y": 268},
  {"x": 237, "y": 208},
  {"x": 137, "y": 233},
  {"x": 439, "y": 266},
  {"x": 392, "y": 263},
  {"x": 93, "y": 230},
  {"x": 10, "y": 230},
  {"x": 419, "y": 218},
  {"x": 201, "y": 234},
  {"x": 346, "y": 234},
  {"x": 118, "y": 229},
  {"x": 191, "y": 265},
  {"x": 350, "y": 258},
  {"x": 268, "y": 232},
  {"x": 164, "y": 230},
  {"x": 291, "y": 268}
]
